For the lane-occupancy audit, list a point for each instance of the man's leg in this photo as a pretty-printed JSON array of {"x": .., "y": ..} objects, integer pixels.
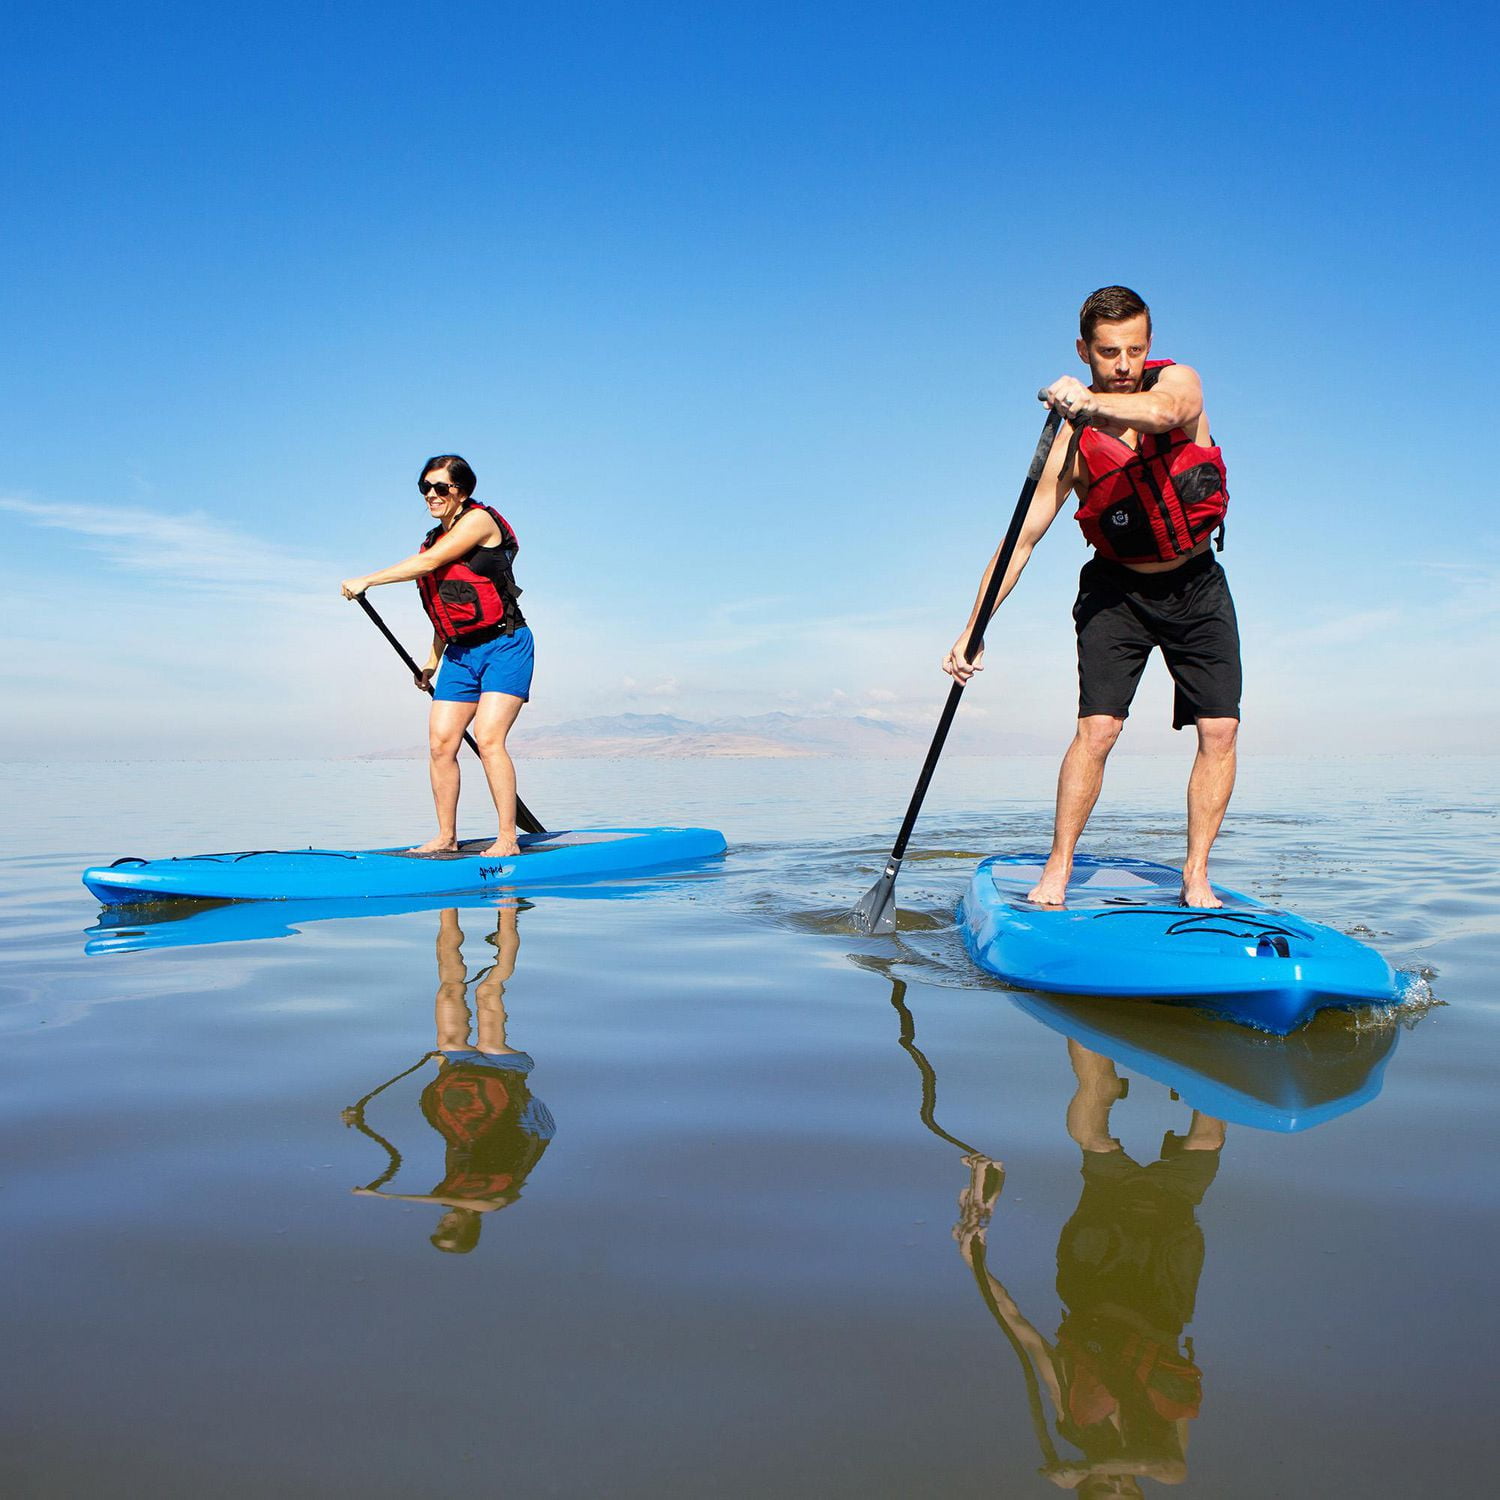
[
  {"x": 1112, "y": 652},
  {"x": 1201, "y": 644},
  {"x": 446, "y": 723},
  {"x": 1206, "y": 1133},
  {"x": 1100, "y": 1087},
  {"x": 1209, "y": 787},
  {"x": 497, "y": 712},
  {"x": 1078, "y": 785}
]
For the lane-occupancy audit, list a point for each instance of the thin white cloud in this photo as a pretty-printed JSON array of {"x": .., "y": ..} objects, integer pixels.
[
  {"x": 193, "y": 550},
  {"x": 666, "y": 687},
  {"x": 1341, "y": 630},
  {"x": 762, "y": 629},
  {"x": 1473, "y": 588}
]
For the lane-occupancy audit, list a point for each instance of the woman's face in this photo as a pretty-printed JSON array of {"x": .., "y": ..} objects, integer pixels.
[{"x": 442, "y": 496}]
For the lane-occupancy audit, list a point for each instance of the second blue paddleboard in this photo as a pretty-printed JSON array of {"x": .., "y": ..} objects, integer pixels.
[
  {"x": 286, "y": 874},
  {"x": 1124, "y": 932}
]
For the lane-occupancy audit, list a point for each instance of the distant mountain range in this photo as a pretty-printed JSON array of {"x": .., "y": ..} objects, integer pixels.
[{"x": 767, "y": 736}]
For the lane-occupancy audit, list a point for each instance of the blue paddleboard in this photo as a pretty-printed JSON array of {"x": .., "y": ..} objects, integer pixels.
[
  {"x": 1124, "y": 932},
  {"x": 287, "y": 874}
]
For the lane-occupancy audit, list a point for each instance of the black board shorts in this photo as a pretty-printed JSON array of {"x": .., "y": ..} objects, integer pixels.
[{"x": 1121, "y": 615}]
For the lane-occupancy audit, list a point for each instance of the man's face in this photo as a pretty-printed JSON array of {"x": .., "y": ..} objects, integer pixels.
[{"x": 1116, "y": 355}]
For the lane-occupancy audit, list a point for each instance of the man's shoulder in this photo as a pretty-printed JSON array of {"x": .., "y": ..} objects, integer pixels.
[{"x": 1167, "y": 369}]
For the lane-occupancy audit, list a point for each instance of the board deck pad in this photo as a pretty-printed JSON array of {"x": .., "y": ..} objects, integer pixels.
[
  {"x": 1091, "y": 879},
  {"x": 529, "y": 843},
  {"x": 1123, "y": 933}
]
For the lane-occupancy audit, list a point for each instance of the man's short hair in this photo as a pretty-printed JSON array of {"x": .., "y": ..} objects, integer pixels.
[{"x": 1110, "y": 304}]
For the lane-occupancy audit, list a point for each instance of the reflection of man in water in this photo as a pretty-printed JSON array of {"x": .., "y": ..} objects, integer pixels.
[
  {"x": 480, "y": 1102},
  {"x": 1122, "y": 1385}
]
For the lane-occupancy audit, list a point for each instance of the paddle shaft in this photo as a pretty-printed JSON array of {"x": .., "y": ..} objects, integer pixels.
[
  {"x": 978, "y": 1244},
  {"x": 976, "y": 635},
  {"x": 525, "y": 819}
]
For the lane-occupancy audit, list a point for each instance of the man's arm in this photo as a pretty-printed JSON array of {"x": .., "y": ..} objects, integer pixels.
[
  {"x": 1052, "y": 491},
  {"x": 1176, "y": 400}
]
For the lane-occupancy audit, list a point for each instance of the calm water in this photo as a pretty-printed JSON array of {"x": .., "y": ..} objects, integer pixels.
[{"x": 775, "y": 1210}]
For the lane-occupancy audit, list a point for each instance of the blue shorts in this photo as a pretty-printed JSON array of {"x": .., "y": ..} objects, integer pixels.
[{"x": 503, "y": 665}]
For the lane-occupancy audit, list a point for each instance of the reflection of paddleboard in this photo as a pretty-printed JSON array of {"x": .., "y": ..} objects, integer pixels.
[
  {"x": 1323, "y": 1072},
  {"x": 193, "y": 924},
  {"x": 1123, "y": 932},
  {"x": 281, "y": 874}
]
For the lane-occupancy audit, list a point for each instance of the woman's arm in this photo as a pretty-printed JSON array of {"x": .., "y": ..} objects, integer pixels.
[
  {"x": 471, "y": 532},
  {"x": 425, "y": 674}
]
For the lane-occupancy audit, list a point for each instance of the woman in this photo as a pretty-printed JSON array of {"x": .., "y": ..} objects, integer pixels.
[{"x": 463, "y": 570}]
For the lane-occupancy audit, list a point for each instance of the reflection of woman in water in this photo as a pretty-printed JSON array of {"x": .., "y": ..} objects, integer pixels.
[
  {"x": 480, "y": 1101},
  {"x": 1122, "y": 1384}
]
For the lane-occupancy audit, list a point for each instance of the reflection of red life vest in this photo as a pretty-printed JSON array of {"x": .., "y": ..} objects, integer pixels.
[
  {"x": 476, "y": 593},
  {"x": 1100, "y": 1380},
  {"x": 1154, "y": 502},
  {"x": 469, "y": 1107}
]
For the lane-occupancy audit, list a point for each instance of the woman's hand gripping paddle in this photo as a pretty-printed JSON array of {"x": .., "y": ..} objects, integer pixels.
[
  {"x": 525, "y": 819},
  {"x": 876, "y": 912}
]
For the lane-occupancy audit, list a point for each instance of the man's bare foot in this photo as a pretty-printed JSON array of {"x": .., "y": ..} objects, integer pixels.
[
  {"x": 1205, "y": 1134},
  {"x": 438, "y": 845},
  {"x": 502, "y": 847},
  {"x": 1052, "y": 888},
  {"x": 1196, "y": 891}
]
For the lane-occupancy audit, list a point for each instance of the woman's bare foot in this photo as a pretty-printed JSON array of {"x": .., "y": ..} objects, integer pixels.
[
  {"x": 1052, "y": 888},
  {"x": 502, "y": 847},
  {"x": 439, "y": 845}
]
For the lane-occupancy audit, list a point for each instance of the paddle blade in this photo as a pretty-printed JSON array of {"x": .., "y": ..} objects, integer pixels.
[{"x": 875, "y": 914}]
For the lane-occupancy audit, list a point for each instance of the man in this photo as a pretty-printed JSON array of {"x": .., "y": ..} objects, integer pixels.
[{"x": 1152, "y": 493}]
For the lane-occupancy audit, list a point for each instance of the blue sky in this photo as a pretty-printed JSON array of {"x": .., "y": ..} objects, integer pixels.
[{"x": 738, "y": 311}]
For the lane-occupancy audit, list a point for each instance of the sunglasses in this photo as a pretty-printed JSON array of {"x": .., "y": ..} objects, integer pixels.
[{"x": 437, "y": 487}]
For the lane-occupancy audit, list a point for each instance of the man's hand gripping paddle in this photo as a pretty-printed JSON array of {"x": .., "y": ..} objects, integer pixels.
[
  {"x": 876, "y": 912},
  {"x": 525, "y": 819}
]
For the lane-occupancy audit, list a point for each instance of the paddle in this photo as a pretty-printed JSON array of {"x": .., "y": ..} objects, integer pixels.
[
  {"x": 876, "y": 912},
  {"x": 354, "y": 1114},
  {"x": 978, "y": 1240},
  {"x": 525, "y": 819}
]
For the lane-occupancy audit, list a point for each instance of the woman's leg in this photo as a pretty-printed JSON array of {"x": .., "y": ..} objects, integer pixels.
[
  {"x": 497, "y": 712},
  {"x": 446, "y": 723},
  {"x": 452, "y": 1007}
]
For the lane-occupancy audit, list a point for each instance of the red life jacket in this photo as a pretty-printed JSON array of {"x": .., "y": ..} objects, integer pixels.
[
  {"x": 476, "y": 593},
  {"x": 1154, "y": 502}
]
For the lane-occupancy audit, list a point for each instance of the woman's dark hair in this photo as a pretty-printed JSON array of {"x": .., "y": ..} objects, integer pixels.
[
  {"x": 458, "y": 471},
  {"x": 1110, "y": 304},
  {"x": 458, "y": 1229}
]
